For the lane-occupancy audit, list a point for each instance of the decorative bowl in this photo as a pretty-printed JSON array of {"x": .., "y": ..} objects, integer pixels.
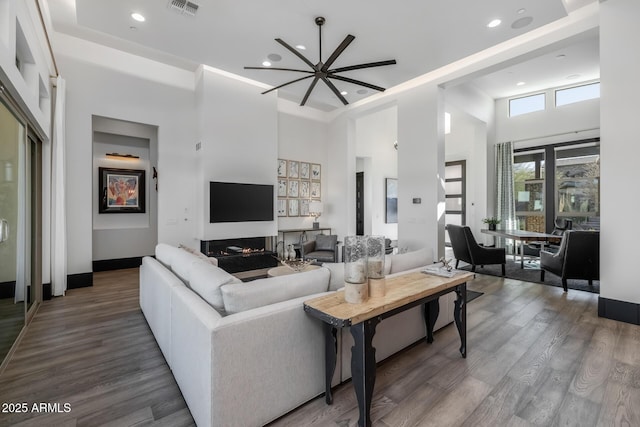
[{"x": 297, "y": 265}]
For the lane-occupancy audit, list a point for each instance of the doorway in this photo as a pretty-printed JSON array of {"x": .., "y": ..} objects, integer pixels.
[
  {"x": 455, "y": 194},
  {"x": 360, "y": 203}
]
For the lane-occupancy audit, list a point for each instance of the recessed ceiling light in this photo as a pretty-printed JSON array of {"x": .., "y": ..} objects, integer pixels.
[
  {"x": 274, "y": 57},
  {"x": 521, "y": 11},
  {"x": 561, "y": 56},
  {"x": 573, "y": 76},
  {"x": 362, "y": 91},
  {"x": 344, "y": 92},
  {"x": 138, "y": 17},
  {"x": 266, "y": 63},
  {"x": 494, "y": 23},
  {"x": 520, "y": 84},
  {"x": 301, "y": 47},
  {"x": 132, "y": 28}
]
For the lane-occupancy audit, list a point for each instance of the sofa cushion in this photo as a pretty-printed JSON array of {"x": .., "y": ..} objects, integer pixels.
[
  {"x": 336, "y": 278},
  {"x": 409, "y": 260},
  {"x": 182, "y": 263},
  {"x": 206, "y": 280},
  {"x": 326, "y": 242},
  {"x": 210, "y": 260},
  {"x": 245, "y": 296},
  {"x": 165, "y": 253}
]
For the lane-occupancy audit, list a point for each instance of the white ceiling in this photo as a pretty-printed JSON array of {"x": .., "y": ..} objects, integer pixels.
[{"x": 421, "y": 35}]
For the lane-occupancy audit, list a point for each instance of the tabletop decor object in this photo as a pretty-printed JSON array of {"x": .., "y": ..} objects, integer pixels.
[
  {"x": 375, "y": 266},
  {"x": 355, "y": 269},
  {"x": 297, "y": 265}
]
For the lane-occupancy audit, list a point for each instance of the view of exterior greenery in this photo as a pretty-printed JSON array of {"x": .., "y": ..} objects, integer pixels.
[
  {"x": 528, "y": 176},
  {"x": 578, "y": 187}
]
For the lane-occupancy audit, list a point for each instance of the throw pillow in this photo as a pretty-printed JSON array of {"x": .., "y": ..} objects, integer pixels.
[
  {"x": 206, "y": 280},
  {"x": 165, "y": 253},
  {"x": 245, "y": 296},
  {"x": 326, "y": 242},
  {"x": 181, "y": 265},
  {"x": 210, "y": 260},
  {"x": 409, "y": 260}
]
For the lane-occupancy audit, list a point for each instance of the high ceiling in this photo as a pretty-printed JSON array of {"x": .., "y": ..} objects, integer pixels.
[{"x": 421, "y": 35}]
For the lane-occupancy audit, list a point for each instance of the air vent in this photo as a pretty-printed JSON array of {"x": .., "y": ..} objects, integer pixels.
[{"x": 184, "y": 6}]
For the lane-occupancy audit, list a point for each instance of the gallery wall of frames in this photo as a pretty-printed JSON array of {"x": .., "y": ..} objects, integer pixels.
[{"x": 298, "y": 185}]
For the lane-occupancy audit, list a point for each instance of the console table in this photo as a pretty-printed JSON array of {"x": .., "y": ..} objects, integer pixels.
[
  {"x": 402, "y": 293},
  {"x": 299, "y": 231}
]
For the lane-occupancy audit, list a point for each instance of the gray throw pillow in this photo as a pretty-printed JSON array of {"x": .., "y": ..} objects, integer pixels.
[{"x": 326, "y": 243}]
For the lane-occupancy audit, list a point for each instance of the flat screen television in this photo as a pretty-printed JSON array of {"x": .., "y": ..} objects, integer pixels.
[{"x": 236, "y": 202}]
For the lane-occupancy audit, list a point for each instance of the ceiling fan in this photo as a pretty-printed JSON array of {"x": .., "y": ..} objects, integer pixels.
[{"x": 321, "y": 71}]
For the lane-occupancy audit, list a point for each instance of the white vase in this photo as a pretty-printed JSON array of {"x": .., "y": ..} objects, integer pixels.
[{"x": 291, "y": 253}]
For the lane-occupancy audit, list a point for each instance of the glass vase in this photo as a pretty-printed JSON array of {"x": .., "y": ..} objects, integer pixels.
[
  {"x": 375, "y": 257},
  {"x": 355, "y": 259}
]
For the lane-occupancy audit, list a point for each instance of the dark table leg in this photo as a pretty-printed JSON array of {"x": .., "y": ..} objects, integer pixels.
[
  {"x": 460, "y": 316},
  {"x": 363, "y": 367},
  {"x": 431, "y": 312},
  {"x": 330, "y": 357}
]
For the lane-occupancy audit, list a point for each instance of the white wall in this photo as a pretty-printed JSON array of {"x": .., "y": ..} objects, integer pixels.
[
  {"x": 238, "y": 132},
  {"x": 619, "y": 150},
  {"x": 115, "y": 85},
  {"x": 375, "y": 134},
  {"x": 304, "y": 139}
]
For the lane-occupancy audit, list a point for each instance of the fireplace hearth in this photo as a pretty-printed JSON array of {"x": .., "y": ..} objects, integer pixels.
[{"x": 241, "y": 254}]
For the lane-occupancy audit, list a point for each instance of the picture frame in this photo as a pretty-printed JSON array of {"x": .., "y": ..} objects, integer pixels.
[
  {"x": 316, "y": 172},
  {"x": 121, "y": 190},
  {"x": 293, "y": 170},
  {"x": 282, "y": 168},
  {"x": 292, "y": 189},
  {"x": 294, "y": 207},
  {"x": 304, "y": 207},
  {"x": 315, "y": 190},
  {"x": 282, "y": 207},
  {"x": 305, "y": 170},
  {"x": 391, "y": 201},
  {"x": 282, "y": 188},
  {"x": 305, "y": 189}
]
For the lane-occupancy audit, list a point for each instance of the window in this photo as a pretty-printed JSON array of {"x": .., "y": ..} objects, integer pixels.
[
  {"x": 526, "y": 104},
  {"x": 577, "y": 94},
  {"x": 528, "y": 177},
  {"x": 578, "y": 183}
]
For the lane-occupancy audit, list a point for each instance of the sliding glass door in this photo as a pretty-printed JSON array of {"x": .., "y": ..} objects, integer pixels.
[{"x": 20, "y": 219}]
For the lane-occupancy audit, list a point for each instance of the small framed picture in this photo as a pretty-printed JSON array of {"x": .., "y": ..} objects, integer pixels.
[
  {"x": 121, "y": 191},
  {"x": 305, "y": 170},
  {"x": 282, "y": 168},
  {"x": 293, "y": 189},
  {"x": 315, "y": 172},
  {"x": 304, "y": 207},
  {"x": 282, "y": 207},
  {"x": 293, "y": 169},
  {"x": 305, "y": 189},
  {"x": 294, "y": 207},
  {"x": 315, "y": 190},
  {"x": 282, "y": 188}
]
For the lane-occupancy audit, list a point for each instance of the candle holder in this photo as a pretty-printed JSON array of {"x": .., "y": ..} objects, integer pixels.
[
  {"x": 355, "y": 269},
  {"x": 375, "y": 266}
]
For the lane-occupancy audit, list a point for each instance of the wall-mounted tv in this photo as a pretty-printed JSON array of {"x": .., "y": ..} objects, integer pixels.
[{"x": 236, "y": 202}]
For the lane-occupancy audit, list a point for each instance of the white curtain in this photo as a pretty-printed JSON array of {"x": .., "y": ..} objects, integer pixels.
[
  {"x": 505, "y": 200},
  {"x": 58, "y": 198},
  {"x": 21, "y": 237}
]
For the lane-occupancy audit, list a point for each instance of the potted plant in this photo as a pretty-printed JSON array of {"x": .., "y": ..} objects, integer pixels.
[{"x": 491, "y": 222}]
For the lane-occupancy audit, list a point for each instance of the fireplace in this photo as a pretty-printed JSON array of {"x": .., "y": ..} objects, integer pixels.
[{"x": 241, "y": 254}]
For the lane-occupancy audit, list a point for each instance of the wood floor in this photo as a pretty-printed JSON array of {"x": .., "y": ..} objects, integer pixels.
[{"x": 536, "y": 356}]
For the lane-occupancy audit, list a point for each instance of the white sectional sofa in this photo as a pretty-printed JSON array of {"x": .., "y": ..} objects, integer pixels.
[{"x": 244, "y": 354}]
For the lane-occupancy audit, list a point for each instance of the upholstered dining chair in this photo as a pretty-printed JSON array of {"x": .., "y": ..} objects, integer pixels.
[
  {"x": 323, "y": 249},
  {"x": 466, "y": 248},
  {"x": 577, "y": 258}
]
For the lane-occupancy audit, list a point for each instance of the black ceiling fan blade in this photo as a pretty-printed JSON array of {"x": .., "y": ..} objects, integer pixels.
[
  {"x": 306, "y": 95},
  {"x": 286, "y": 84},
  {"x": 367, "y": 65},
  {"x": 335, "y": 90},
  {"x": 296, "y": 53},
  {"x": 356, "y": 82},
  {"x": 346, "y": 42},
  {"x": 280, "y": 69}
]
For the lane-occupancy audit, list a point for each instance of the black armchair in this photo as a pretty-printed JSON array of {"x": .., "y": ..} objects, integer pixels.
[
  {"x": 465, "y": 248},
  {"x": 577, "y": 258},
  {"x": 323, "y": 249}
]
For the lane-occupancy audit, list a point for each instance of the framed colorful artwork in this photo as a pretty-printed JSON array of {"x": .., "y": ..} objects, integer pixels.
[{"x": 121, "y": 190}]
